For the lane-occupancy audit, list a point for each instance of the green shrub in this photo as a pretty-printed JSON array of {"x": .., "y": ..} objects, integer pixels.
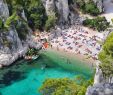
[
  {"x": 80, "y": 3},
  {"x": 106, "y": 57},
  {"x": 92, "y": 9},
  {"x": 6, "y": 42},
  {"x": 50, "y": 22},
  {"x": 88, "y": 7},
  {"x": 112, "y": 20},
  {"x": 99, "y": 23},
  {"x": 22, "y": 30},
  {"x": 32, "y": 51},
  {"x": 11, "y": 19},
  {"x": 36, "y": 14},
  {"x": 1, "y": 24}
]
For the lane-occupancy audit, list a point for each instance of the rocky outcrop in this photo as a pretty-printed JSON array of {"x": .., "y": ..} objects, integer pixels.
[
  {"x": 98, "y": 79},
  {"x": 100, "y": 89},
  {"x": 62, "y": 9},
  {"x": 4, "y": 12},
  {"x": 11, "y": 46},
  {"x": 17, "y": 49},
  {"x": 99, "y": 4}
]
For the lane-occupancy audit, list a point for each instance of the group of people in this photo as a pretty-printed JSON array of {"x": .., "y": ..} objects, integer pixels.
[{"x": 78, "y": 40}]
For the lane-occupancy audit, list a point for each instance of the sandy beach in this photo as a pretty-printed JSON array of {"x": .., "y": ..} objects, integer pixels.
[
  {"x": 72, "y": 55},
  {"x": 79, "y": 42}
]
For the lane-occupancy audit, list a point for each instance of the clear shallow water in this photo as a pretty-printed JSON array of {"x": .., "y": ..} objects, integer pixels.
[{"x": 26, "y": 77}]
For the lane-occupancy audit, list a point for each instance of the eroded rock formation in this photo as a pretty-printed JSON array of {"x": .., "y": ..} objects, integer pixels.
[
  {"x": 11, "y": 46},
  {"x": 99, "y": 4},
  {"x": 62, "y": 8}
]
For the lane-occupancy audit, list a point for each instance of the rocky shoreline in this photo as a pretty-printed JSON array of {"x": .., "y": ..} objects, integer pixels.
[{"x": 7, "y": 59}]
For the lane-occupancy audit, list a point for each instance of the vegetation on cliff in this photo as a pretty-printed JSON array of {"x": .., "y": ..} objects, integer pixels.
[
  {"x": 88, "y": 7},
  {"x": 106, "y": 57},
  {"x": 34, "y": 12},
  {"x": 50, "y": 22}
]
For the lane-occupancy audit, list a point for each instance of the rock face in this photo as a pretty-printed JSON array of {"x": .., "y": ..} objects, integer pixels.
[
  {"x": 4, "y": 13},
  {"x": 101, "y": 89},
  {"x": 99, "y": 4},
  {"x": 60, "y": 7},
  {"x": 98, "y": 79},
  {"x": 16, "y": 48},
  {"x": 65, "y": 9}
]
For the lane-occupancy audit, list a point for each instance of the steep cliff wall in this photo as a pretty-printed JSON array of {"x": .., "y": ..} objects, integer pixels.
[
  {"x": 63, "y": 9},
  {"x": 66, "y": 9},
  {"x": 11, "y": 46},
  {"x": 4, "y": 13},
  {"x": 99, "y": 4}
]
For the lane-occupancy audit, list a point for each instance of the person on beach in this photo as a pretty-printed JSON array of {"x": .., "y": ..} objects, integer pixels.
[
  {"x": 57, "y": 48},
  {"x": 68, "y": 61},
  {"x": 51, "y": 45}
]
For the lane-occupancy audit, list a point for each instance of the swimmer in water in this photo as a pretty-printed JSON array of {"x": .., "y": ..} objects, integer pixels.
[{"x": 43, "y": 67}]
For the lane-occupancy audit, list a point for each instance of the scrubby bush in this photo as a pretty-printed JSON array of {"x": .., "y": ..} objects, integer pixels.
[
  {"x": 98, "y": 23},
  {"x": 50, "y": 22},
  {"x": 36, "y": 14},
  {"x": 112, "y": 20},
  {"x": 11, "y": 20},
  {"x": 22, "y": 30},
  {"x": 106, "y": 57},
  {"x": 91, "y": 8},
  {"x": 88, "y": 7}
]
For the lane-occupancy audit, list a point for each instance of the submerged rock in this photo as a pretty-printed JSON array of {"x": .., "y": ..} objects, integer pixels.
[{"x": 10, "y": 77}]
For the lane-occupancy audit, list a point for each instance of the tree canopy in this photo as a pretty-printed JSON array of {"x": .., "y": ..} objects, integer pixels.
[{"x": 65, "y": 86}]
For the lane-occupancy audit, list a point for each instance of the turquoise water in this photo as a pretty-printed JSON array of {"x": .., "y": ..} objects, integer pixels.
[{"x": 25, "y": 77}]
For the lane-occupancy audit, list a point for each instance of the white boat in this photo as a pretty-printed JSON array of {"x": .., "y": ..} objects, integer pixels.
[{"x": 35, "y": 57}]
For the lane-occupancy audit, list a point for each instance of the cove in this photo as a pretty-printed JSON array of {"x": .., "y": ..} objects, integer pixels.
[{"x": 25, "y": 77}]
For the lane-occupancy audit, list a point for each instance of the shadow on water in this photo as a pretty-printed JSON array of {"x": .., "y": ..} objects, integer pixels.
[
  {"x": 48, "y": 65},
  {"x": 11, "y": 77},
  {"x": 18, "y": 70}
]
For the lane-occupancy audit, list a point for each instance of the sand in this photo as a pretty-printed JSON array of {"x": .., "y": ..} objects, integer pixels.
[{"x": 79, "y": 57}]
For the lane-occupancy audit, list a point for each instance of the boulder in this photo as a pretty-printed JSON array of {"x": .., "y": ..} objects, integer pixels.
[{"x": 99, "y": 4}]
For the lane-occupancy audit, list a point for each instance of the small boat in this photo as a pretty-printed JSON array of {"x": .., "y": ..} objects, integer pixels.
[
  {"x": 35, "y": 57},
  {"x": 31, "y": 57}
]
